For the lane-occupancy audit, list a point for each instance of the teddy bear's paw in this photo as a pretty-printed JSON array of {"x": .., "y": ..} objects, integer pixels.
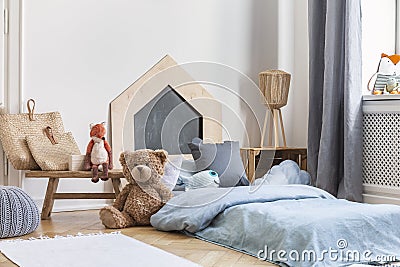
[
  {"x": 95, "y": 179},
  {"x": 104, "y": 178},
  {"x": 109, "y": 218}
]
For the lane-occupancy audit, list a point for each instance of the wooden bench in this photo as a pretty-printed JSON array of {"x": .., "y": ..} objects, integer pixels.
[{"x": 52, "y": 185}]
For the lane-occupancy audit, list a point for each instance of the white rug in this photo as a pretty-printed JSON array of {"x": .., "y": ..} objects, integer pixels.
[{"x": 98, "y": 250}]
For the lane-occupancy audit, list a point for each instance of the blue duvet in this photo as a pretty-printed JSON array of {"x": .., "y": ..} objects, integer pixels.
[{"x": 291, "y": 225}]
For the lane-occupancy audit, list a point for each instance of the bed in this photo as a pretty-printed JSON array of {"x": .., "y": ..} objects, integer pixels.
[
  {"x": 252, "y": 219},
  {"x": 290, "y": 225}
]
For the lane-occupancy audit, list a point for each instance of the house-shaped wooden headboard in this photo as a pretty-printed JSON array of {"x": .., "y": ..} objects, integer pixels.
[{"x": 137, "y": 95}]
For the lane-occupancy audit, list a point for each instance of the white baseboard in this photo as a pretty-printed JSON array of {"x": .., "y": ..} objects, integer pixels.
[
  {"x": 376, "y": 194},
  {"x": 74, "y": 204},
  {"x": 374, "y": 199}
]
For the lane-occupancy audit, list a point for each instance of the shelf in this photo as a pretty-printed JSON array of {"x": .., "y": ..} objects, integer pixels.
[{"x": 380, "y": 97}]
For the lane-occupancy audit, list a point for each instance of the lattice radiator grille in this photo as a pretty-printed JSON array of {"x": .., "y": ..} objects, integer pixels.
[{"x": 381, "y": 149}]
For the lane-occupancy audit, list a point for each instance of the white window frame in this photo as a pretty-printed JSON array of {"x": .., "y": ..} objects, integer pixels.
[
  {"x": 3, "y": 79},
  {"x": 4, "y": 52},
  {"x": 11, "y": 95}
]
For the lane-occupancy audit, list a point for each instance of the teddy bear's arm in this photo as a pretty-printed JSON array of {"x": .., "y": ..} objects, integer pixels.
[
  {"x": 119, "y": 202},
  {"x": 164, "y": 192}
]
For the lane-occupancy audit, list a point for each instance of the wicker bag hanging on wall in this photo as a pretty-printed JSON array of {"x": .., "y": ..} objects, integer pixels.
[{"x": 14, "y": 129}]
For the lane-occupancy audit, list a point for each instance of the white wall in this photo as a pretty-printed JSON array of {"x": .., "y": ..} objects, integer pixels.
[
  {"x": 79, "y": 55},
  {"x": 293, "y": 58}
]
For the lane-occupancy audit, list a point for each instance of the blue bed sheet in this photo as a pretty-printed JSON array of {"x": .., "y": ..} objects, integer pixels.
[{"x": 291, "y": 225}]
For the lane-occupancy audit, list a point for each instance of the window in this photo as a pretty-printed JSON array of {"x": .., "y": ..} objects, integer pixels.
[{"x": 378, "y": 34}]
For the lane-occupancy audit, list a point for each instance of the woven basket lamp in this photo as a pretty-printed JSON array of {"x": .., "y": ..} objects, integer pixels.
[{"x": 274, "y": 85}]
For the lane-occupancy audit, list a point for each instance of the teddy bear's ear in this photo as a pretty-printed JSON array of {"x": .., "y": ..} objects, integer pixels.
[
  {"x": 91, "y": 125},
  {"x": 122, "y": 158},
  {"x": 162, "y": 155}
]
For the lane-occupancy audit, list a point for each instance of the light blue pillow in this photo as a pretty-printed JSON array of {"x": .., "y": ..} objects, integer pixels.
[{"x": 287, "y": 172}]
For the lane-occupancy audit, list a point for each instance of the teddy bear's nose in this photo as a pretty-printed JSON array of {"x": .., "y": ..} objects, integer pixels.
[{"x": 140, "y": 168}]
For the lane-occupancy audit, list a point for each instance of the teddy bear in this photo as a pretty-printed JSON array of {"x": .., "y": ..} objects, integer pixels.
[
  {"x": 143, "y": 195},
  {"x": 98, "y": 153},
  {"x": 392, "y": 86}
]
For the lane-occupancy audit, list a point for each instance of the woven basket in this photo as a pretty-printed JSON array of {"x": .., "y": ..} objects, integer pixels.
[
  {"x": 53, "y": 157},
  {"x": 14, "y": 129},
  {"x": 274, "y": 84}
]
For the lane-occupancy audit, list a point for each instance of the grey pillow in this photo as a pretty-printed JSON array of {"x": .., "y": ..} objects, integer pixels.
[{"x": 224, "y": 158}]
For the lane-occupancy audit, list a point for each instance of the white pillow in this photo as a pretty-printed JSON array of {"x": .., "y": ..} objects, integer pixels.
[
  {"x": 171, "y": 170},
  {"x": 207, "y": 178}
]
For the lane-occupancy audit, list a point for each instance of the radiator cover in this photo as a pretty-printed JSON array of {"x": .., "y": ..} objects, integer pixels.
[{"x": 381, "y": 150}]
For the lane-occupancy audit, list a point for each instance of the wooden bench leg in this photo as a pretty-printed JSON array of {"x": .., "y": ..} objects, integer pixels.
[
  {"x": 49, "y": 198},
  {"x": 303, "y": 160},
  {"x": 117, "y": 186},
  {"x": 252, "y": 165}
]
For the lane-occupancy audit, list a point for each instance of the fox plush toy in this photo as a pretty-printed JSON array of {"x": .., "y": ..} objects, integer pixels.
[{"x": 98, "y": 153}]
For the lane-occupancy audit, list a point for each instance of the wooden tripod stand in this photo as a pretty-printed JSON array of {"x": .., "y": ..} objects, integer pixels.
[{"x": 272, "y": 115}]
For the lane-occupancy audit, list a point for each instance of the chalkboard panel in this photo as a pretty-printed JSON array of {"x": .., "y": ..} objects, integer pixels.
[{"x": 167, "y": 122}]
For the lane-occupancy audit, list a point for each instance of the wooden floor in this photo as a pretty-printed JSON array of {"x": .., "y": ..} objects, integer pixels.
[{"x": 201, "y": 252}]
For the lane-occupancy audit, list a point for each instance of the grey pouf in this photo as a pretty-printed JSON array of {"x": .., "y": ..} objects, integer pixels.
[{"x": 18, "y": 213}]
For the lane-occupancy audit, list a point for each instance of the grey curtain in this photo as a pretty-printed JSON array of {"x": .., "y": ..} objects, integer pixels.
[{"x": 335, "y": 95}]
